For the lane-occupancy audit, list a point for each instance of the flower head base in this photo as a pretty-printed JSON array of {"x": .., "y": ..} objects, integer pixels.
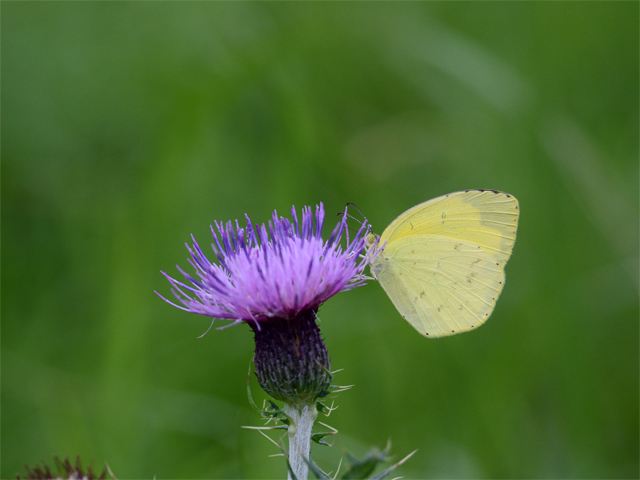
[
  {"x": 291, "y": 359},
  {"x": 277, "y": 271}
]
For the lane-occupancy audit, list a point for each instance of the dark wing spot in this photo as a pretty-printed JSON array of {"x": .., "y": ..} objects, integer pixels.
[
  {"x": 426, "y": 332},
  {"x": 453, "y": 331}
]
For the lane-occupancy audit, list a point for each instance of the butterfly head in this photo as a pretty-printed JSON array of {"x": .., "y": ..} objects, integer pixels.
[{"x": 372, "y": 241}]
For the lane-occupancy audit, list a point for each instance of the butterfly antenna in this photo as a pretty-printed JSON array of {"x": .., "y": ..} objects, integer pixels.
[
  {"x": 361, "y": 222},
  {"x": 349, "y": 204},
  {"x": 364, "y": 223},
  {"x": 349, "y": 216}
]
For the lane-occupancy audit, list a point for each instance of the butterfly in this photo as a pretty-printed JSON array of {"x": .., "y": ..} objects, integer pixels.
[{"x": 442, "y": 262}]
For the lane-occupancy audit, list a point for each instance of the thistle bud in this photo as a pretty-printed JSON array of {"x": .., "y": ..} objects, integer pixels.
[{"x": 291, "y": 360}]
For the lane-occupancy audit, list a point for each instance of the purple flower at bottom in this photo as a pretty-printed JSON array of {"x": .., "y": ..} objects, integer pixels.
[{"x": 275, "y": 271}]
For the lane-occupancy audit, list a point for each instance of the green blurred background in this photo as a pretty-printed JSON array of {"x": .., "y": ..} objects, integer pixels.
[{"x": 127, "y": 126}]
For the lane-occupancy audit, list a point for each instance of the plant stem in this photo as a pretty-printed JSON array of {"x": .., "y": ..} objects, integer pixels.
[{"x": 303, "y": 417}]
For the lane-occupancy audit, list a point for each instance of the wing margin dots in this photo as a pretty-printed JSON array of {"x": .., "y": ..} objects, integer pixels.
[
  {"x": 463, "y": 285},
  {"x": 453, "y": 308},
  {"x": 474, "y": 316},
  {"x": 436, "y": 319}
]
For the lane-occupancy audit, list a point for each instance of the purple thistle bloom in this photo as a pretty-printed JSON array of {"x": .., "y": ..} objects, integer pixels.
[{"x": 279, "y": 271}]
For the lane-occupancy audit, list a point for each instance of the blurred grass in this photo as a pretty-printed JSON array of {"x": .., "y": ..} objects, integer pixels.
[{"x": 128, "y": 126}]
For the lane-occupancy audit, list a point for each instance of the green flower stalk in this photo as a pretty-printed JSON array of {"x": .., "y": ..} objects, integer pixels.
[{"x": 275, "y": 277}]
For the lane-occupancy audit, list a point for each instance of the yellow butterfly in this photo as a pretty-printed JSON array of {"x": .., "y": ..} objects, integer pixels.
[{"x": 442, "y": 262}]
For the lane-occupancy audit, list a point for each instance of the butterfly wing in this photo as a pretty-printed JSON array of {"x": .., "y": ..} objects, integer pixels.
[
  {"x": 486, "y": 218},
  {"x": 443, "y": 261}
]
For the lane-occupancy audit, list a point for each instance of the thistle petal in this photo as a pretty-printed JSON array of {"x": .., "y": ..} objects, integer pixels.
[{"x": 275, "y": 270}]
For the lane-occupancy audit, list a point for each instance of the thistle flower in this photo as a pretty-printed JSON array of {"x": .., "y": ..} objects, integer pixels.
[
  {"x": 274, "y": 277},
  {"x": 276, "y": 272}
]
